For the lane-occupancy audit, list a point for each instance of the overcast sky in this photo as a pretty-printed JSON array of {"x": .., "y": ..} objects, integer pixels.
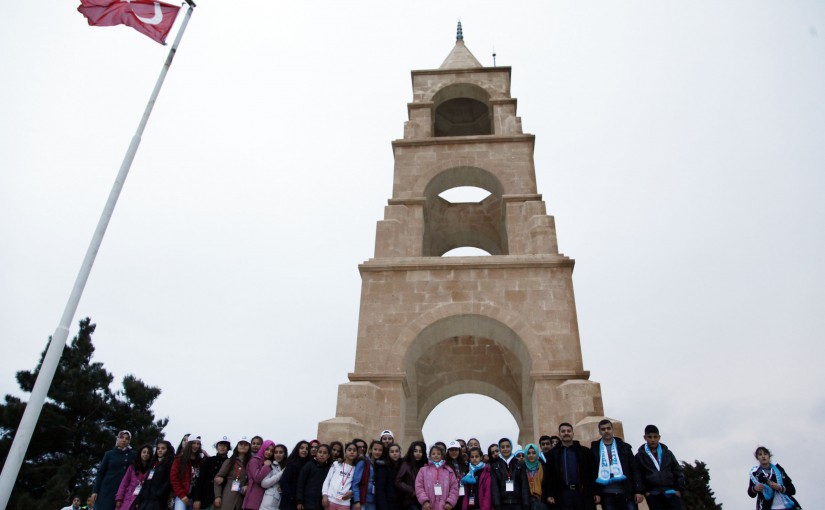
[{"x": 680, "y": 147}]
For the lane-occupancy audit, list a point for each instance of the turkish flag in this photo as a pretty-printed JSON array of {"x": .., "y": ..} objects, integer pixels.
[{"x": 148, "y": 17}]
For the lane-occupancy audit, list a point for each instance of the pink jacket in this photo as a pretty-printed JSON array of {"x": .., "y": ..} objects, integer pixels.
[
  {"x": 256, "y": 471},
  {"x": 483, "y": 491},
  {"x": 126, "y": 491},
  {"x": 425, "y": 486}
]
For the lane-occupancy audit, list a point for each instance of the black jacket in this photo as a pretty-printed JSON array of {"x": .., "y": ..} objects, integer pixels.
[
  {"x": 387, "y": 496},
  {"x": 311, "y": 484},
  {"x": 154, "y": 494},
  {"x": 632, "y": 484},
  {"x": 669, "y": 476},
  {"x": 204, "y": 490},
  {"x": 761, "y": 502},
  {"x": 553, "y": 482},
  {"x": 500, "y": 472}
]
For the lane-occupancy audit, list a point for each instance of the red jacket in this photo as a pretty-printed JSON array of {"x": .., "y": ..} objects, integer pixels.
[
  {"x": 181, "y": 484},
  {"x": 482, "y": 491}
]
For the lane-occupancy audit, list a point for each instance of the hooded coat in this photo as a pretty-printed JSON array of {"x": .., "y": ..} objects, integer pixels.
[{"x": 256, "y": 471}]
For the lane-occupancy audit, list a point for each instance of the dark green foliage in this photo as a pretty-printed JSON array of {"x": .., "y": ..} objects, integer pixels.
[
  {"x": 699, "y": 495},
  {"x": 78, "y": 424}
]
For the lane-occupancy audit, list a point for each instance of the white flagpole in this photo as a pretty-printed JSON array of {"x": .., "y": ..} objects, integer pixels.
[{"x": 11, "y": 468}]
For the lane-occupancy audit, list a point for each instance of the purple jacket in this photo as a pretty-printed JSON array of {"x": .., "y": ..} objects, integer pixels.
[
  {"x": 256, "y": 471},
  {"x": 483, "y": 491},
  {"x": 425, "y": 486},
  {"x": 126, "y": 491}
]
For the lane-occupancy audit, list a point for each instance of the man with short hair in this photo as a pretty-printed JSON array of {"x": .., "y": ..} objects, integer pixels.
[
  {"x": 662, "y": 476},
  {"x": 618, "y": 479},
  {"x": 570, "y": 475},
  {"x": 110, "y": 472}
]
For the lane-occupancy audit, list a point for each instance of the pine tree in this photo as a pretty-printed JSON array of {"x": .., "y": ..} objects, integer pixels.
[
  {"x": 78, "y": 424},
  {"x": 699, "y": 495}
]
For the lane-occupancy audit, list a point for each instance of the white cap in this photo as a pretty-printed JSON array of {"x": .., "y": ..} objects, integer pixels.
[
  {"x": 387, "y": 433},
  {"x": 195, "y": 437},
  {"x": 243, "y": 439},
  {"x": 454, "y": 444},
  {"x": 223, "y": 439}
]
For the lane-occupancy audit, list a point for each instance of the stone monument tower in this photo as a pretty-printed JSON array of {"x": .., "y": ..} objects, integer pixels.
[{"x": 432, "y": 327}]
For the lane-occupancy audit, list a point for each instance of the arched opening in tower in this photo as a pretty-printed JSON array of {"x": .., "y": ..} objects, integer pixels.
[
  {"x": 455, "y": 418},
  {"x": 462, "y": 117}
]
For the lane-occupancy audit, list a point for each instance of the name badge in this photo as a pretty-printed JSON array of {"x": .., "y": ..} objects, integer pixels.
[
  {"x": 437, "y": 489},
  {"x": 137, "y": 490},
  {"x": 472, "y": 501},
  {"x": 460, "y": 490},
  {"x": 236, "y": 485},
  {"x": 151, "y": 474},
  {"x": 508, "y": 486}
]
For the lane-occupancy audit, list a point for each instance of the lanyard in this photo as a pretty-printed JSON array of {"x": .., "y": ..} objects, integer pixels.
[
  {"x": 345, "y": 474},
  {"x": 238, "y": 469}
]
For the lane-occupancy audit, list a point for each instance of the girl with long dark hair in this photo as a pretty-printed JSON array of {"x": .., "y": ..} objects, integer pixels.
[
  {"x": 270, "y": 483},
  {"x": 154, "y": 493},
  {"x": 130, "y": 484},
  {"x": 231, "y": 481},
  {"x": 186, "y": 469},
  {"x": 289, "y": 481},
  {"x": 405, "y": 479}
]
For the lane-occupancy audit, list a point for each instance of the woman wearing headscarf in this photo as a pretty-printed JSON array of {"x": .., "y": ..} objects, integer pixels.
[
  {"x": 259, "y": 466},
  {"x": 535, "y": 475}
]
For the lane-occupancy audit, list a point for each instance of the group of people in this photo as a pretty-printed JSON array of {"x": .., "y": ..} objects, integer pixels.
[{"x": 558, "y": 473}]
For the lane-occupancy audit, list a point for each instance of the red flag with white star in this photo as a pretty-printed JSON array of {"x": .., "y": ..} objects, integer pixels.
[{"x": 154, "y": 19}]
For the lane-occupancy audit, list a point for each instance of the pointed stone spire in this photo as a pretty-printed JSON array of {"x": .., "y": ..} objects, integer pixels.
[{"x": 460, "y": 57}]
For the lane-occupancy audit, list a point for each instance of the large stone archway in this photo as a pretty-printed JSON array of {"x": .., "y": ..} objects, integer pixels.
[{"x": 433, "y": 327}]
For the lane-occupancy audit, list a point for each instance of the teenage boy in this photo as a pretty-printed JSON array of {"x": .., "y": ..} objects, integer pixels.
[
  {"x": 617, "y": 477},
  {"x": 510, "y": 489},
  {"x": 662, "y": 476}
]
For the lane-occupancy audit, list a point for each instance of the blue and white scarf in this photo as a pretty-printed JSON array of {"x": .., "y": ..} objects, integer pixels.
[
  {"x": 610, "y": 469},
  {"x": 657, "y": 462},
  {"x": 767, "y": 490},
  {"x": 470, "y": 478}
]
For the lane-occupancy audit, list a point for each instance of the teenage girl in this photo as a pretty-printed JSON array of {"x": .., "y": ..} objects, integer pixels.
[
  {"x": 260, "y": 465},
  {"x": 272, "y": 489},
  {"x": 289, "y": 481},
  {"x": 336, "y": 493},
  {"x": 130, "y": 485},
  {"x": 363, "y": 480},
  {"x": 232, "y": 479},
  {"x": 405, "y": 480},
  {"x": 154, "y": 494},
  {"x": 311, "y": 480},
  {"x": 387, "y": 496}
]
